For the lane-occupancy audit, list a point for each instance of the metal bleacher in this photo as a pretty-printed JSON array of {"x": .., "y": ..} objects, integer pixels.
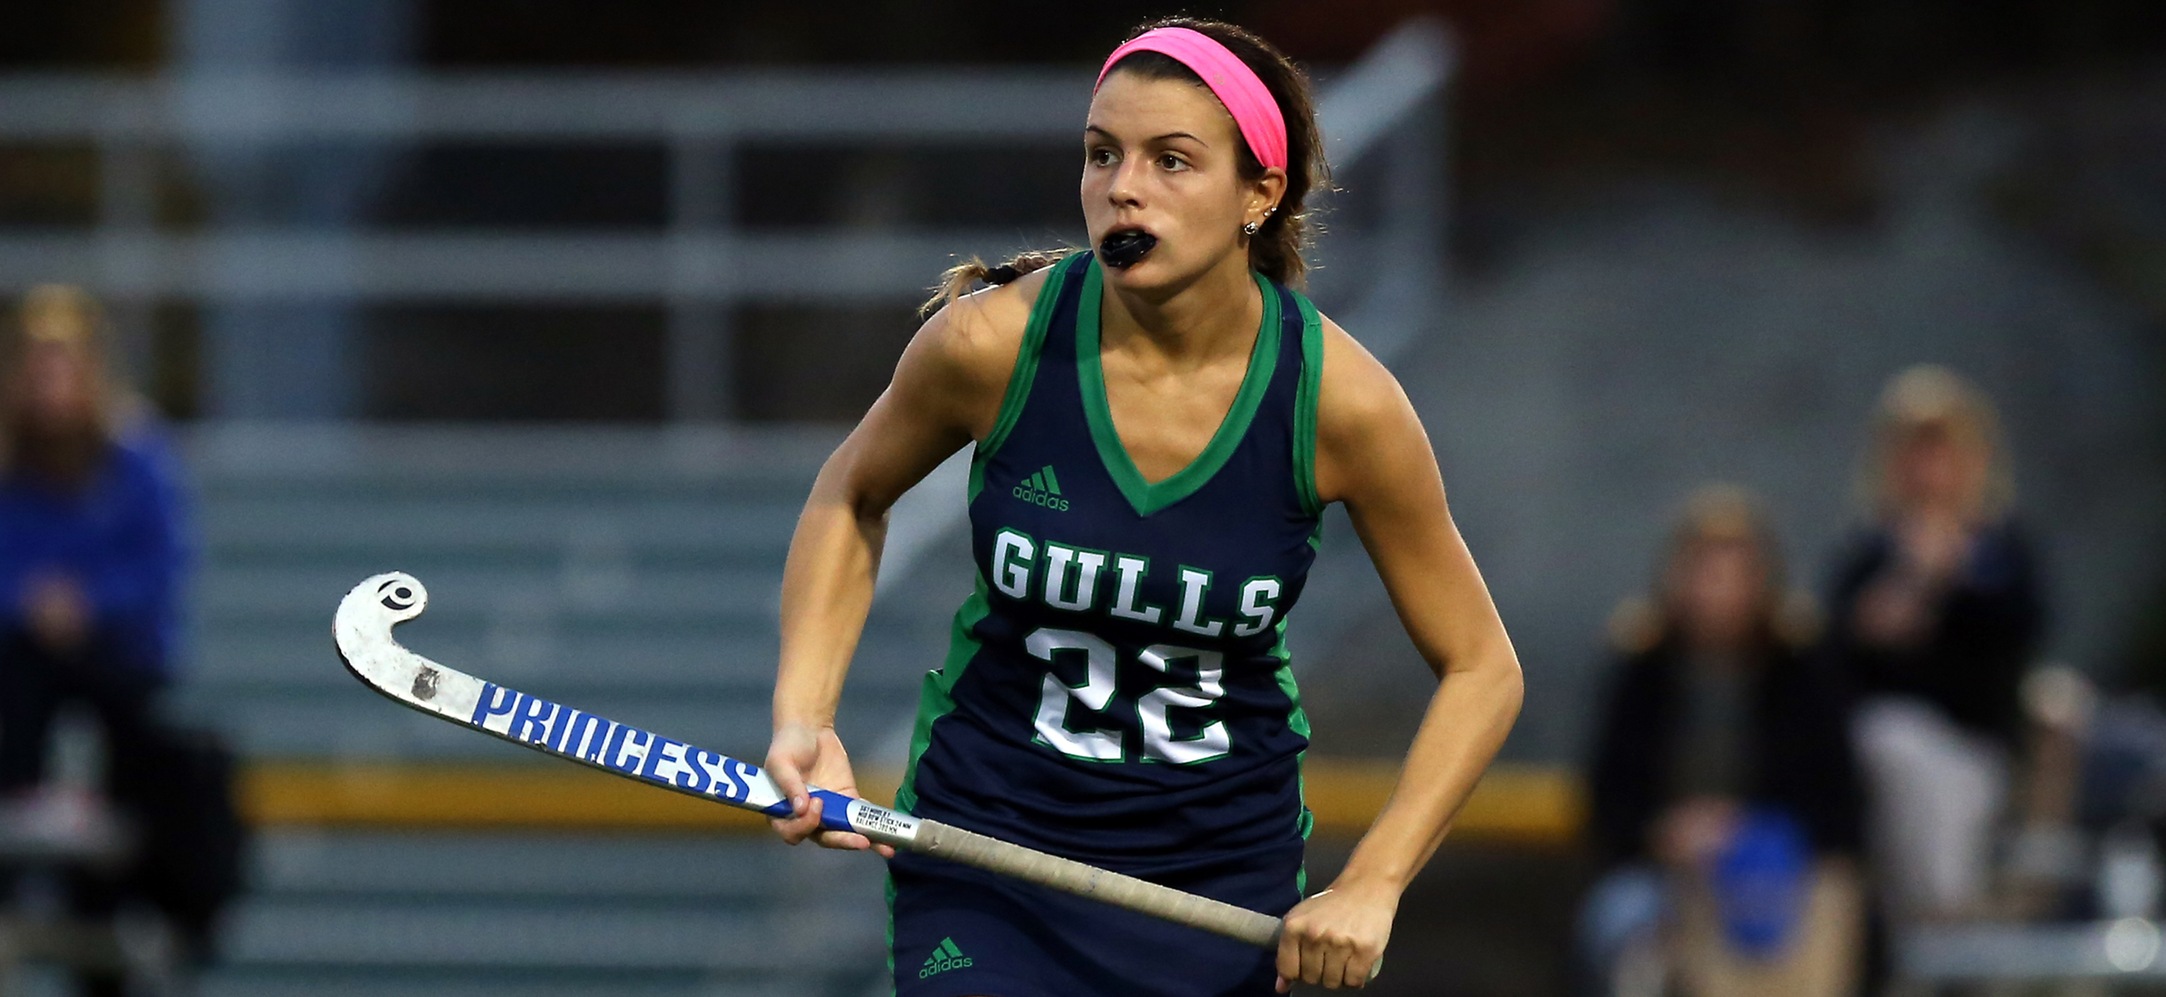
[
  {"x": 631, "y": 572},
  {"x": 541, "y": 578},
  {"x": 396, "y": 914}
]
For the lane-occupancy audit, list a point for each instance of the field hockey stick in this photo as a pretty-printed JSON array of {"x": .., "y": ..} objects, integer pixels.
[{"x": 363, "y": 630}]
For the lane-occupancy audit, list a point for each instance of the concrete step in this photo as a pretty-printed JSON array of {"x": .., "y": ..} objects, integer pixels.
[
  {"x": 323, "y": 866},
  {"x": 266, "y": 981},
  {"x": 473, "y": 934},
  {"x": 511, "y": 650},
  {"x": 363, "y": 724},
  {"x": 247, "y": 594},
  {"x": 421, "y": 907},
  {"x": 248, "y": 526}
]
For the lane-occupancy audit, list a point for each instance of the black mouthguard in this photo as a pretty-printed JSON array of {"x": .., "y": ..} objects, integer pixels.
[{"x": 1126, "y": 248}]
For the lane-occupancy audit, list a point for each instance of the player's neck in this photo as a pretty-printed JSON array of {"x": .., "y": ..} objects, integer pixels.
[{"x": 1215, "y": 313}]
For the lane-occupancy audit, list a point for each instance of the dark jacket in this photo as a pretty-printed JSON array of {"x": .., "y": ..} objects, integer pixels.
[
  {"x": 1971, "y": 665},
  {"x": 119, "y": 537},
  {"x": 1800, "y": 758}
]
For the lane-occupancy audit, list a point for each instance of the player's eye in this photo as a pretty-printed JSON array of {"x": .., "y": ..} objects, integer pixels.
[
  {"x": 1099, "y": 156},
  {"x": 1170, "y": 162}
]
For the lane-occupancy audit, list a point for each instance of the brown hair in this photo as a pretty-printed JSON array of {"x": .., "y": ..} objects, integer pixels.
[
  {"x": 66, "y": 316},
  {"x": 1719, "y": 514},
  {"x": 1275, "y": 249}
]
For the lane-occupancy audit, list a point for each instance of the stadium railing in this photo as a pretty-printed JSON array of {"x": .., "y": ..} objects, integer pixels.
[{"x": 1384, "y": 114}]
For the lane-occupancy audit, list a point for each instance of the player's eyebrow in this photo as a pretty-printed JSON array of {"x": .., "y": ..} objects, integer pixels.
[{"x": 1156, "y": 138}]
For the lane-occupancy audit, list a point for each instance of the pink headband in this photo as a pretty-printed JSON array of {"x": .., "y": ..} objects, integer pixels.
[{"x": 1236, "y": 85}]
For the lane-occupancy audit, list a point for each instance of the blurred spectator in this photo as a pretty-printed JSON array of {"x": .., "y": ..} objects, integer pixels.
[
  {"x": 90, "y": 559},
  {"x": 1936, "y": 613},
  {"x": 1725, "y": 805},
  {"x": 90, "y": 551}
]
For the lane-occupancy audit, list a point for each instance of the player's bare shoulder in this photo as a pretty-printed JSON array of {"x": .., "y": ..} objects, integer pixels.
[
  {"x": 1363, "y": 416},
  {"x": 984, "y": 329},
  {"x": 1357, "y": 391},
  {"x": 962, "y": 356}
]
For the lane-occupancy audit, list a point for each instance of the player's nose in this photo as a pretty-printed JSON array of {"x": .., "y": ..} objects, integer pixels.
[{"x": 1126, "y": 188}]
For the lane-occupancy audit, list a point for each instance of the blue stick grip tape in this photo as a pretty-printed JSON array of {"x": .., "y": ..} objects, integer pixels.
[{"x": 834, "y": 810}]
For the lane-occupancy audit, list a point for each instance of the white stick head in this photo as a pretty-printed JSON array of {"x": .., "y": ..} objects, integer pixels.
[{"x": 363, "y": 631}]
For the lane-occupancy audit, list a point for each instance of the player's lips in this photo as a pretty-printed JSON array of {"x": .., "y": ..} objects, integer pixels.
[{"x": 1125, "y": 246}]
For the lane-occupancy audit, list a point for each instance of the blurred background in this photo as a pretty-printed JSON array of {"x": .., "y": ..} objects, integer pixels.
[{"x": 559, "y": 306}]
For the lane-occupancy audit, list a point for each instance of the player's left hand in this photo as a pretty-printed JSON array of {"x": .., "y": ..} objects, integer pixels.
[{"x": 1336, "y": 938}]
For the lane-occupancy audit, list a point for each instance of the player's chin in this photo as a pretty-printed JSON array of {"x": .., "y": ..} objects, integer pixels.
[
  {"x": 1132, "y": 275},
  {"x": 1150, "y": 273}
]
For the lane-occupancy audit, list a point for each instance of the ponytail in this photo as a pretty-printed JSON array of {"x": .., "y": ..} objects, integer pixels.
[{"x": 957, "y": 280}]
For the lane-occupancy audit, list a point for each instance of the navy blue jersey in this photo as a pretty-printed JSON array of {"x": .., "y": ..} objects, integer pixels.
[{"x": 1118, "y": 689}]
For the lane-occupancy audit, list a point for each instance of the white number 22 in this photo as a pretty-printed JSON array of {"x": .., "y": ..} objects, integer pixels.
[{"x": 1152, "y": 709}]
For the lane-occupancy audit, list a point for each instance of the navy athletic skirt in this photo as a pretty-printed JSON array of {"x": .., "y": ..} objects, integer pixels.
[{"x": 961, "y": 932}]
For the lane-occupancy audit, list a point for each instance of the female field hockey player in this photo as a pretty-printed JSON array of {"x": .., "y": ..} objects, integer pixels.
[{"x": 1158, "y": 425}]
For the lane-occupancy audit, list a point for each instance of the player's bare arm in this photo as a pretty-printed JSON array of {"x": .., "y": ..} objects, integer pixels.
[
  {"x": 945, "y": 393},
  {"x": 1373, "y": 455}
]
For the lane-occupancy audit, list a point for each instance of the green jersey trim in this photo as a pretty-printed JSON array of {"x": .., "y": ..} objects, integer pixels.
[
  {"x": 1297, "y": 720},
  {"x": 1312, "y": 380},
  {"x": 1144, "y": 497},
  {"x": 1025, "y": 372},
  {"x": 937, "y": 697}
]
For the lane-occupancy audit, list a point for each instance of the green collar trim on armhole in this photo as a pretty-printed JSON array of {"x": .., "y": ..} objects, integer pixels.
[
  {"x": 1312, "y": 380},
  {"x": 937, "y": 699},
  {"x": 1025, "y": 372},
  {"x": 1144, "y": 497}
]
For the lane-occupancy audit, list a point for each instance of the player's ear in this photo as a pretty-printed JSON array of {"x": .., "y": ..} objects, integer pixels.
[{"x": 1264, "y": 194}]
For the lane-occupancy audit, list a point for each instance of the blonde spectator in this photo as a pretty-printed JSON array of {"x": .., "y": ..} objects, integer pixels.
[{"x": 1936, "y": 613}]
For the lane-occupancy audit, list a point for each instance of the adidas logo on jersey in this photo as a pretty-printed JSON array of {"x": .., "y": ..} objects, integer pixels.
[
  {"x": 1042, "y": 488},
  {"x": 945, "y": 957}
]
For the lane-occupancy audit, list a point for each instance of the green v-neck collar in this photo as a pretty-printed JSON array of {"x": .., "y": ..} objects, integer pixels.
[{"x": 1144, "y": 497}]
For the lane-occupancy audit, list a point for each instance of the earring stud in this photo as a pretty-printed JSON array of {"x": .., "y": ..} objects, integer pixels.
[{"x": 1250, "y": 228}]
